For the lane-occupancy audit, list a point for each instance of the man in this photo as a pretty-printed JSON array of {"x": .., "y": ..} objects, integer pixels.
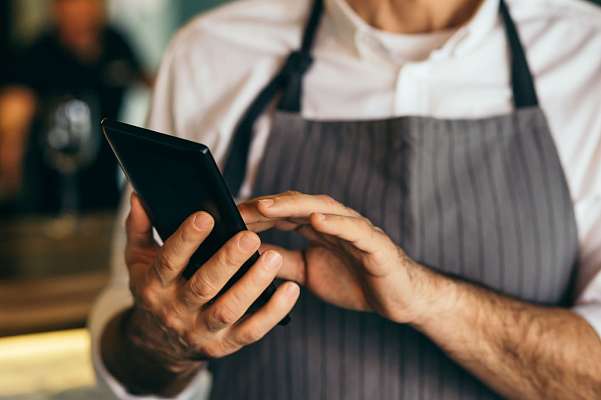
[
  {"x": 79, "y": 59},
  {"x": 467, "y": 131}
]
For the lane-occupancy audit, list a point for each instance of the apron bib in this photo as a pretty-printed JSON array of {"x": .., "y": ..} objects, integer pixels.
[{"x": 482, "y": 199}]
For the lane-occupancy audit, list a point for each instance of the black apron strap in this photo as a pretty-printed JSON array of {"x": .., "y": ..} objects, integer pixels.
[
  {"x": 289, "y": 79},
  {"x": 522, "y": 82}
]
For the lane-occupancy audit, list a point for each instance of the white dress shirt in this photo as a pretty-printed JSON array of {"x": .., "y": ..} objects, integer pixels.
[{"x": 218, "y": 63}]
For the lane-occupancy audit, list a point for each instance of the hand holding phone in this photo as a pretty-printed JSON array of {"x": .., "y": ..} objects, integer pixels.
[
  {"x": 204, "y": 324},
  {"x": 206, "y": 292}
]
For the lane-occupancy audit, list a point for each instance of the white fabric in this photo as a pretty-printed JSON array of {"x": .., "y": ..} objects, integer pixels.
[{"x": 218, "y": 63}]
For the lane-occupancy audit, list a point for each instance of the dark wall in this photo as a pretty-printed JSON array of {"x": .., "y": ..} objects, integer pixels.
[
  {"x": 5, "y": 37},
  {"x": 190, "y": 8}
]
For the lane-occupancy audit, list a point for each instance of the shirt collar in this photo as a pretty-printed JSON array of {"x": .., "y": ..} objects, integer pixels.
[{"x": 366, "y": 40}]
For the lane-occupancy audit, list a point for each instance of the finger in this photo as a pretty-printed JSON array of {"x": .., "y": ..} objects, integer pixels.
[
  {"x": 232, "y": 304},
  {"x": 211, "y": 277},
  {"x": 282, "y": 224},
  {"x": 356, "y": 231},
  {"x": 257, "y": 222},
  {"x": 177, "y": 250},
  {"x": 293, "y": 263},
  {"x": 249, "y": 212},
  {"x": 295, "y": 205},
  {"x": 137, "y": 226},
  {"x": 300, "y": 225},
  {"x": 251, "y": 215},
  {"x": 261, "y": 322},
  {"x": 313, "y": 236}
]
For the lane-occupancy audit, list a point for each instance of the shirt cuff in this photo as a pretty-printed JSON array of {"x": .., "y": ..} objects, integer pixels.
[
  {"x": 591, "y": 312},
  {"x": 198, "y": 389}
]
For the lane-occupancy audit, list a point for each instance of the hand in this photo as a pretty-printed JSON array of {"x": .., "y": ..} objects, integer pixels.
[
  {"x": 180, "y": 322},
  {"x": 349, "y": 262}
]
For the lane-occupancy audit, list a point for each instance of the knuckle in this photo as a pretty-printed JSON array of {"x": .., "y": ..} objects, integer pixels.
[
  {"x": 145, "y": 295},
  {"x": 382, "y": 235},
  {"x": 256, "y": 277},
  {"x": 372, "y": 234},
  {"x": 230, "y": 255},
  {"x": 222, "y": 315},
  {"x": 210, "y": 350},
  {"x": 366, "y": 224},
  {"x": 250, "y": 336},
  {"x": 238, "y": 299},
  {"x": 200, "y": 288},
  {"x": 165, "y": 261},
  {"x": 171, "y": 321},
  {"x": 329, "y": 200},
  {"x": 352, "y": 212},
  {"x": 185, "y": 235},
  {"x": 192, "y": 339}
]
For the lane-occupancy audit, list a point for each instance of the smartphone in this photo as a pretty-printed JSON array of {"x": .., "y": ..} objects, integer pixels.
[{"x": 175, "y": 178}]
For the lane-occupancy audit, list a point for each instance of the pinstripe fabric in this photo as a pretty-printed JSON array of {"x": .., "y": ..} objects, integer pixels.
[{"x": 485, "y": 200}]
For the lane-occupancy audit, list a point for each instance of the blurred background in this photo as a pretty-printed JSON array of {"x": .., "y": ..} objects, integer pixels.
[{"x": 64, "y": 64}]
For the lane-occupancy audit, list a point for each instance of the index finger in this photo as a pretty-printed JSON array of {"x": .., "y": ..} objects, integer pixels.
[
  {"x": 300, "y": 205},
  {"x": 177, "y": 250}
]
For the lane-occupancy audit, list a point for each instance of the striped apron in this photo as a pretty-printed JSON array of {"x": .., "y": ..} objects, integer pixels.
[{"x": 485, "y": 200}]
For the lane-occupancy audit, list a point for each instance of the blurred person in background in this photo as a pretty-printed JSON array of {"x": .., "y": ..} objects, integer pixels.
[
  {"x": 73, "y": 74},
  {"x": 461, "y": 257}
]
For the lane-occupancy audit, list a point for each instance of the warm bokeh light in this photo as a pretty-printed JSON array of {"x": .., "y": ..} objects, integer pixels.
[{"x": 45, "y": 363}]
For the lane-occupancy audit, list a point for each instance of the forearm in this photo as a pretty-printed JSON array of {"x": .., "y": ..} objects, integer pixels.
[
  {"x": 518, "y": 349},
  {"x": 140, "y": 371}
]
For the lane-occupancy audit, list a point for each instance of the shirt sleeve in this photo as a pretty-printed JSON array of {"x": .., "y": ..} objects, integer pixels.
[
  {"x": 116, "y": 297},
  {"x": 588, "y": 282}
]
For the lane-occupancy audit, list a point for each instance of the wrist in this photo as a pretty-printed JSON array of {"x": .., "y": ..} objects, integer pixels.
[
  {"x": 143, "y": 336},
  {"x": 433, "y": 297},
  {"x": 140, "y": 370}
]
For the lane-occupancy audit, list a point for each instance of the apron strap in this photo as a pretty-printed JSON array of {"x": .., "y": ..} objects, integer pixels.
[
  {"x": 524, "y": 91},
  {"x": 289, "y": 79},
  {"x": 299, "y": 62}
]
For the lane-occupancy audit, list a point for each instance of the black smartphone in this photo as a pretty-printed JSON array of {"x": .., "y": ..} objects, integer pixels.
[{"x": 175, "y": 178}]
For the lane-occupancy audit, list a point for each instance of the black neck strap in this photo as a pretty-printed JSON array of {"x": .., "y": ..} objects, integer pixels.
[
  {"x": 288, "y": 83},
  {"x": 522, "y": 82}
]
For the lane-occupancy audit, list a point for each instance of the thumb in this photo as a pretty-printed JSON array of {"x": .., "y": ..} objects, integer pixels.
[{"x": 293, "y": 263}]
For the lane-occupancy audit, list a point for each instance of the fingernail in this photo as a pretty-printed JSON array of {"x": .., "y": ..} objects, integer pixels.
[
  {"x": 201, "y": 222},
  {"x": 292, "y": 289},
  {"x": 247, "y": 242},
  {"x": 273, "y": 259},
  {"x": 319, "y": 217},
  {"x": 266, "y": 202}
]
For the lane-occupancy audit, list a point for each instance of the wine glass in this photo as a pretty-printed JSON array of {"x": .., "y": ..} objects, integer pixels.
[{"x": 70, "y": 143}]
